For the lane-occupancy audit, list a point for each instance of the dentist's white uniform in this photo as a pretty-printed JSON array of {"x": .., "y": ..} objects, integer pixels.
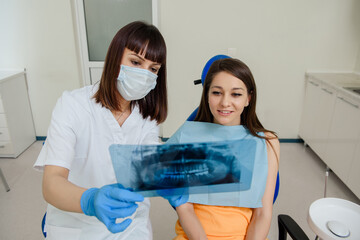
[{"x": 78, "y": 139}]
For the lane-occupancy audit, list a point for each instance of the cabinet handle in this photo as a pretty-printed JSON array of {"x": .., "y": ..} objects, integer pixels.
[
  {"x": 354, "y": 105},
  {"x": 315, "y": 84},
  {"x": 2, "y": 146},
  {"x": 325, "y": 90}
]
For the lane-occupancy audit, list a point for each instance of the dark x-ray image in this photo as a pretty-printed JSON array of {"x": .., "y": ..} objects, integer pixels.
[
  {"x": 201, "y": 167},
  {"x": 186, "y": 165}
]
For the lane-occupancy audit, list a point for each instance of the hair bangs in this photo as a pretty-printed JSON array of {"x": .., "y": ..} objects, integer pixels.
[{"x": 151, "y": 42}]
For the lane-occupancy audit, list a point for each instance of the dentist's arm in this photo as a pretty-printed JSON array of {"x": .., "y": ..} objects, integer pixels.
[
  {"x": 260, "y": 222},
  {"x": 58, "y": 191},
  {"x": 106, "y": 203}
]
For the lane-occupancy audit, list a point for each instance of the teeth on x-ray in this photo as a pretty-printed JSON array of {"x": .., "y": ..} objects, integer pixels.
[
  {"x": 199, "y": 167},
  {"x": 188, "y": 173},
  {"x": 192, "y": 165}
]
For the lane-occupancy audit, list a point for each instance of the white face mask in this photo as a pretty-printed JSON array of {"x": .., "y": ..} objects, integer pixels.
[{"x": 135, "y": 83}]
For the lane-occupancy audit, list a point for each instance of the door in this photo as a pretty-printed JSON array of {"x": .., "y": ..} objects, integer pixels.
[{"x": 97, "y": 23}]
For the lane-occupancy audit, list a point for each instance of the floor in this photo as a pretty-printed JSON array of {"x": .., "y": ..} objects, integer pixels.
[{"x": 302, "y": 182}]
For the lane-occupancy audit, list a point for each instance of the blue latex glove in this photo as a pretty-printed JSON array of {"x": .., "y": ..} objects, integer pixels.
[
  {"x": 109, "y": 203},
  {"x": 176, "y": 197}
]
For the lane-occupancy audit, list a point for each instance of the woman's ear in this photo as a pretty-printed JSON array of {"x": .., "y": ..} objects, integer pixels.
[{"x": 248, "y": 100}]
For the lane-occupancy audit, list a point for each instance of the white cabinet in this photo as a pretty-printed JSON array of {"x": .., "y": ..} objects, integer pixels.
[
  {"x": 353, "y": 180},
  {"x": 330, "y": 124},
  {"x": 343, "y": 136},
  {"x": 16, "y": 123},
  {"x": 318, "y": 109}
]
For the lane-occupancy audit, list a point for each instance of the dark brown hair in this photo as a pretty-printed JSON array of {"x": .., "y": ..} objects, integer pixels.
[
  {"x": 138, "y": 37},
  {"x": 241, "y": 71}
]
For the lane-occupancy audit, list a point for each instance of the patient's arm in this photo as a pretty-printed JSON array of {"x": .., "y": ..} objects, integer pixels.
[
  {"x": 190, "y": 222},
  {"x": 260, "y": 222}
]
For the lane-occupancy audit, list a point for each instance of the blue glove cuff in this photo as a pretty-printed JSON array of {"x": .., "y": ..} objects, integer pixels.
[
  {"x": 87, "y": 201},
  {"x": 178, "y": 201}
]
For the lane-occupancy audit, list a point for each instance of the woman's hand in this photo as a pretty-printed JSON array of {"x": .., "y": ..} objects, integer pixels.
[
  {"x": 109, "y": 203},
  {"x": 176, "y": 196}
]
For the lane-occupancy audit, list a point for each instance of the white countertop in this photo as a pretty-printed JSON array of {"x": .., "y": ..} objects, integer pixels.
[
  {"x": 338, "y": 81},
  {"x": 9, "y": 73}
]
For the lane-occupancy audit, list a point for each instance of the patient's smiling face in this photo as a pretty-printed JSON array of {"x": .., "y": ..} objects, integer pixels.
[{"x": 228, "y": 96}]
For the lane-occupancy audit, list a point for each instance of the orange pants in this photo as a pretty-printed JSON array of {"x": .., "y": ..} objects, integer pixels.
[{"x": 228, "y": 223}]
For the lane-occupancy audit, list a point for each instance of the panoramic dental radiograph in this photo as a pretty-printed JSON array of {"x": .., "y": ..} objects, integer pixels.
[
  {"x": 201, "y": 167},
  {"x": 185, "y": 165},
  {"x": 217, "y": 165}
]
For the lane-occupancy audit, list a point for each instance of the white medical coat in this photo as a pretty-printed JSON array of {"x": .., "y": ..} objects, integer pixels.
[{"x": 78, "y": 139}]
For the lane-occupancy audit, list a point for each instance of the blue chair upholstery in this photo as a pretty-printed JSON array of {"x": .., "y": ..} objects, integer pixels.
[
  {"x": 44, "y": 218},
  {"x": 193, "y": 114},
  {"x": 43, "y": 225},
  {"x": 208, "y": 64}
]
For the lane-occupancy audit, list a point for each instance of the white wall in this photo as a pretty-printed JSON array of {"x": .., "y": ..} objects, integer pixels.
[
  {"x": 357, "y": 23},
  {"x": 38, "y": 35},
  {"x": 357, "y": 64},
  {"x": 279, "y": 40}
]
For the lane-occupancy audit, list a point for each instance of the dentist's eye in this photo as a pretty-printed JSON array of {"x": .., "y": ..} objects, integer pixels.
[
  {"x": 237, "y": 94},
  {"x": 216, "y": 93},
  {"x": 155, "y": 70},
  {"x": 135, "y": 63}
]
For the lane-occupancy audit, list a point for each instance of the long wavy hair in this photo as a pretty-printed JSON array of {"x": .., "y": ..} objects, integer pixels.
[
  {"x": 138, "y": 37},
  {"x": 241, "y": 71}
]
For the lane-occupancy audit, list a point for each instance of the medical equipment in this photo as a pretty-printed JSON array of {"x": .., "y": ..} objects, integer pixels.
[
  {"x": 109, "y": 203},
  {"x": 334, "y": 218},
  {"x": 329, "y": 219}
]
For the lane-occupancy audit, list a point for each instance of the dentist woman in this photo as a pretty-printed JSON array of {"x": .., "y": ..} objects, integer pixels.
[{"x": 125, "y": 107}]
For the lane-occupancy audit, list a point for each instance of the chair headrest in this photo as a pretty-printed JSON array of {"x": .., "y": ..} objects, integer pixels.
[{"x": 208, "y": 64}]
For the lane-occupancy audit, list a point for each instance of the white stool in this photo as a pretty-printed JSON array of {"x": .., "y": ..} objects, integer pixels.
[{"x": 330, "y": 218}]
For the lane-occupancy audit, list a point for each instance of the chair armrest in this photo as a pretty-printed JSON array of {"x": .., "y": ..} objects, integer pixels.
[{"x": 287, "y": 225}]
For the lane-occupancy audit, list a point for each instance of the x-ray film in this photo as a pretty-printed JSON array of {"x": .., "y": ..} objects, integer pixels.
[
  {"x": 201, "y": 167},
  {"x": 217, "y": 165},
  {"x": 191, "y": 132}
]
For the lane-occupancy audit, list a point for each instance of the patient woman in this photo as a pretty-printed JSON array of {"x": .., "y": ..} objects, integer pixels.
[{"x": 229, "y": 98}]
